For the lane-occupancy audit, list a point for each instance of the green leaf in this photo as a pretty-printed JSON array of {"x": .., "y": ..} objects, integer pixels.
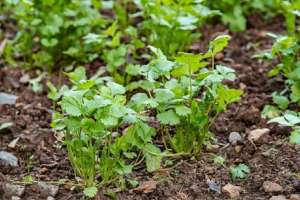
[
  {"x": 90, "y": 191},
  {"x": 226, "y": 96},
  {"x": 183, "y": 110},
  {"x": 289, "y": 118},
  {"x": 295, "y": 137},
  {"x": 28, "y": 180},
  {"x": 188, "y": 64},
  {"x": 163, "y": 95},
  {"x": 133, "y": 70},
  {"x": 218, "y": 44},
  {"x": 116, "y": 88},
  {"x": 240, "y": 171},
  {"x": 71, "y": 106},
  {"x": 280, "y": 100},
  {"x": 6, "y": 125},
  {"x": 53, "y": 93},
  {"x": 270, "y": 112},
  {"x": 153, "y": 157},
  {"x": 168, "y": 117},
  {"x": 77, "y": 75},
  {"x": 133, "y": 183}
]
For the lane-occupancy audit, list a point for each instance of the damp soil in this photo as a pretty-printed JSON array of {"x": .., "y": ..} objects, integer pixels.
[{"x": 42, "y": 156}]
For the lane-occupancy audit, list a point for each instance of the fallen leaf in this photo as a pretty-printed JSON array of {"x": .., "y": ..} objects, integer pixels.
[{"x": 146, "y": 187}]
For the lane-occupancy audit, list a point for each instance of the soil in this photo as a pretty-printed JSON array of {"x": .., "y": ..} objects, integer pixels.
[{"x": 41, "y": 155}]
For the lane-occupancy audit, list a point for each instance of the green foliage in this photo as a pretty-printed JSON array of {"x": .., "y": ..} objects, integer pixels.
[
  {"x": 235, "y": 12},
  {"x": 286, "y": 49},
  {"x": 240, "y": 171},
  {"x": 295, "y": 137},
  {"x": 219, "y": 160},
  {"x": 91, "y": 113},
  {"x": 169, "y": 24},
  {"x": 106, "y": 125},
  {"x": 54, "y": 32},
  {"x": 175, "y": 95}
]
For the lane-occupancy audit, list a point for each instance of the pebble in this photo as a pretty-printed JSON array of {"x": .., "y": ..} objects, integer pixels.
[
  {"x": 272, "y": 187},
  {"x": 295, "y": 197},
  {"x": 13, "y": 143},
  {"x": 231, "y": 190},
  {"x": 238, "y": 148},
  {"x": 7, "y": 99},
  {"x": 50, "y": 198},
  {"x": 258, "y": 134},
  {"x": 48, "y": 189},
  {"x": 234, "y": 138},
  {"x": 213, "y": 186},
  {"x": 279, "y": 197},
  {"x": 25, "y": 78},
  {"x": 8, "y": 159},
  {"x": 219, "y": 56},
  {"x": 13, "y": 190},
  {"x": 15, "y": 198}
]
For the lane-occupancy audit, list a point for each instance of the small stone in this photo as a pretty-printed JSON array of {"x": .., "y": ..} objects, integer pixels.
[
  {"x": 13, "y": 143},
  {"x": 7, "y": 99},
  {"x": 242, "y": 86},
  {"x": 15, "y": 198},
  {"x": 47, "y": 189},
  {"x": 213, "y": 186},
  {"x": 238, "y": 148},
  {"x": 234, "y": 137},
  {"x": 50, "y": 198},
  {"x": 231, "y": 190},
  {"x": 279, "y": 197},
  {"x": 258, "y": 134},
  {"x": 25, "y": 78},
  {"x": 219, "y": 56},
  {"x": 8, "y": 159},
  {"x": 13, "y": 190},
  {"x": 295, "y": 197},
  {"x": 272, "y": 187}
]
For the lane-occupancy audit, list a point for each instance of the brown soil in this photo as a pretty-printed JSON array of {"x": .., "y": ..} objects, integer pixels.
[{"x": 41, "y": 156}]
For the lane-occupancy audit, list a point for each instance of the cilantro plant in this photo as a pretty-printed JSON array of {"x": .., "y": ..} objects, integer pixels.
[
  {"x": 92, "y": 114},
  {"x": 54, "y": 33},
  {"x": 186, "y": 94},
  {"x": 286, "y": 49},
  {"x": 169, "y": 25}
]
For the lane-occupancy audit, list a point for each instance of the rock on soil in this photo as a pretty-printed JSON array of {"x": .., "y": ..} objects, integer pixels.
[
  {"x": 231, "y": 190},
  {"x": 258, "y": 135},
  {"x": 7, "y": 99},
  {"x": 213, "y": 186},
  {"x": 8, "y": 159},
  {"x": 270, "y": 187},
  {"x": 47, "y": 189},
  {"x": 13, "y": 190},
  {"x": 295, "y": 197},
  {"x": 234, "y": 138},
  {"x": 279, "y": 197}
]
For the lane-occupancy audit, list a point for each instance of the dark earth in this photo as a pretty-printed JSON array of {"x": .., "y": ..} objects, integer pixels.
[{"x": 40, "y": 153}]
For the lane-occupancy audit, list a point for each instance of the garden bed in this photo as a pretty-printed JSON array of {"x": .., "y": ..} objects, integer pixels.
[{"x": 271, "y": 158}]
